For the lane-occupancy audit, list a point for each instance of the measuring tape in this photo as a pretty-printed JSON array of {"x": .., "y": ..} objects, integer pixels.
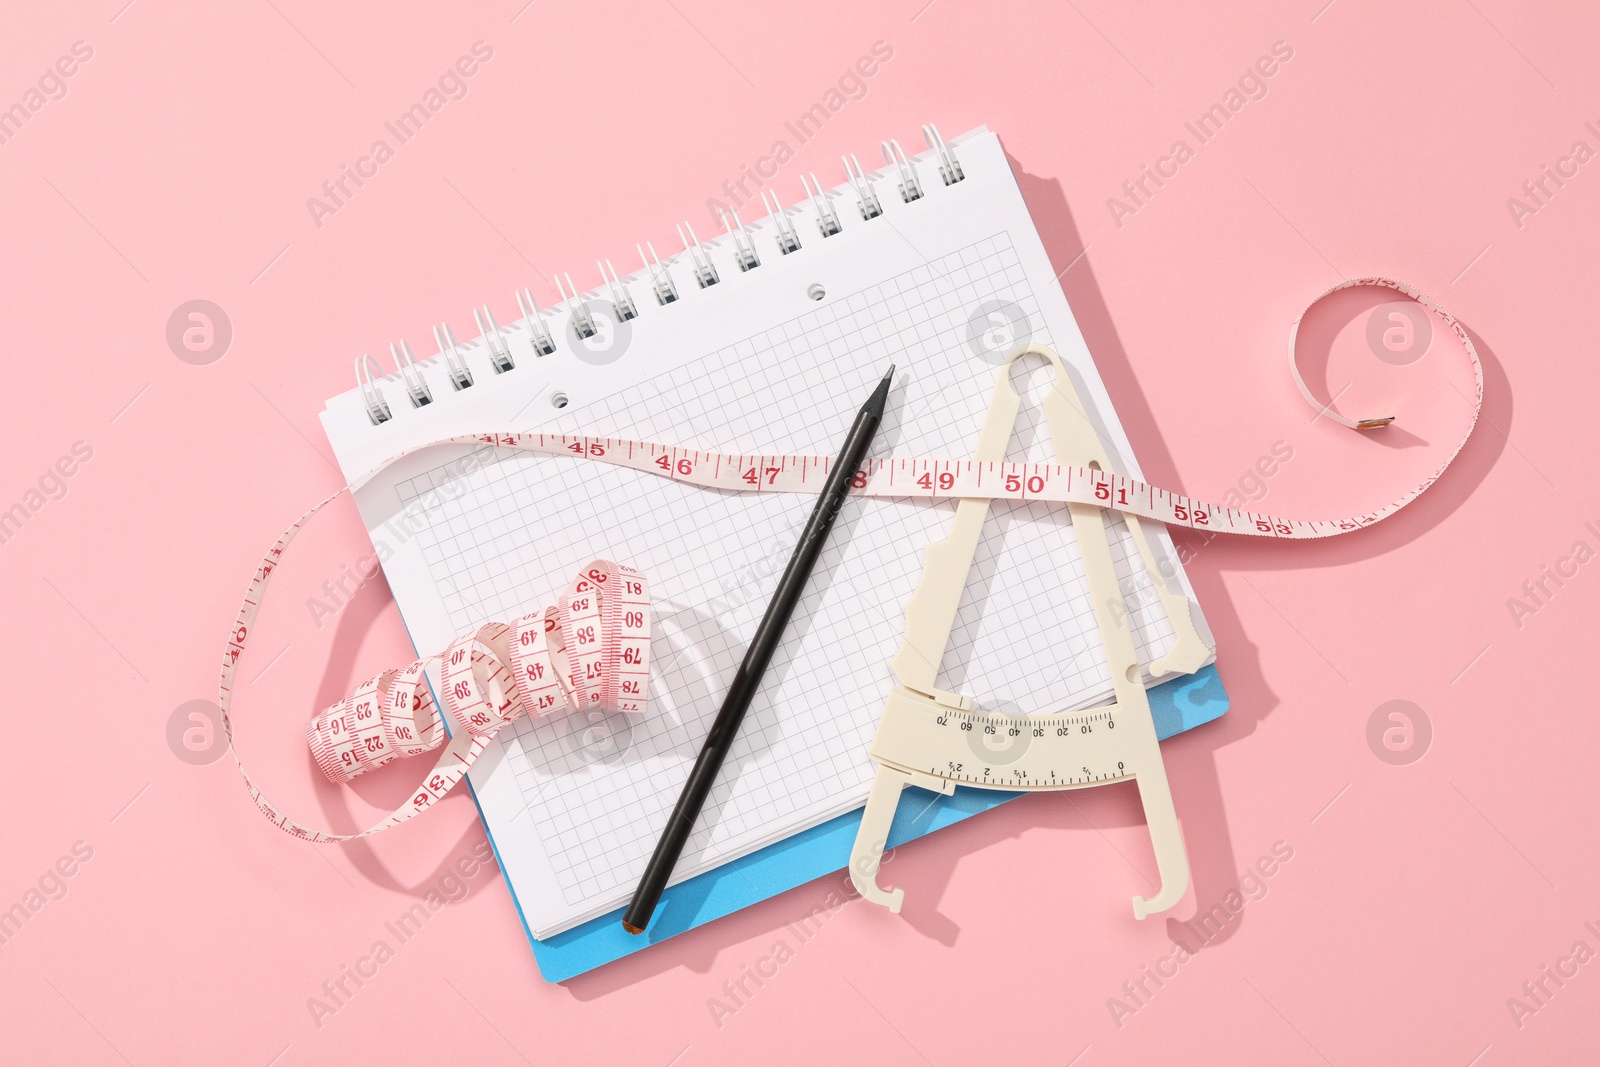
[
  {"x": 590, "y": 651},
  {"x": 393, "y": 714}
]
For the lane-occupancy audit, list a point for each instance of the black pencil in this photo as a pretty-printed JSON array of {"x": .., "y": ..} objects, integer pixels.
[{"x": 756, "y": 658}]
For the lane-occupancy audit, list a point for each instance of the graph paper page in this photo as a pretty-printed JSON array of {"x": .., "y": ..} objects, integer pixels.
[{"x": 575, "y": 803}]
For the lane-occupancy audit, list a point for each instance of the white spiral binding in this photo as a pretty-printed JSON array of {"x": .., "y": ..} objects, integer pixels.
[
  {"x": 742, "y": 242},
  {"x": 788, "y": 240},
  {"x": 705, "y": 271},
  {"x": 660, "y": 281},
  {"x": 538, "y": 332},
  {"x": 371, "y": 395},
  {"x": 949, "y": 165},
  {"x": 620, "y": 299},
  {"x": 494, "y": 340},
  {"x": 827, "y": 218},
  {"x": 577, "y": 311},
  {"x": 460, "y": 373},
  {"x": 406, "y": 364},
  {"x": 744, "y": 249},
  {"x": 895, "y": 156},
  {"x": 867, "y": 199}
]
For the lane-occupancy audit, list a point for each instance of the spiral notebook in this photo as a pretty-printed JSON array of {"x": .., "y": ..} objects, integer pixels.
[{"x": 761, "y": 340}]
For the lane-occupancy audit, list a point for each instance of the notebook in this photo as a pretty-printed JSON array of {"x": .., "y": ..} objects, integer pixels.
[{"x": 941, "y": 280}]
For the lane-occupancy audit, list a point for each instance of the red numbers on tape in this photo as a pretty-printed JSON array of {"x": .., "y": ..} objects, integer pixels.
[
  {"x": 489, "y": 679},
  {"x": 592, "y": 649}
]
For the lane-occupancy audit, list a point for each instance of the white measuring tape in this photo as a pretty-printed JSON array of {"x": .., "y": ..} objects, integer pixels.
[{"x": 591, "y": 650}]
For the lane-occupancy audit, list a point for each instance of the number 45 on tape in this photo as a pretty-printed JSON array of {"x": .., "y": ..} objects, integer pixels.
[{"x": 928, "y": 737}]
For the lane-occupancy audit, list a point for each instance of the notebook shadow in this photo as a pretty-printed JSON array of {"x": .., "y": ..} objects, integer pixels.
[{"x": 1191, "y": 757}]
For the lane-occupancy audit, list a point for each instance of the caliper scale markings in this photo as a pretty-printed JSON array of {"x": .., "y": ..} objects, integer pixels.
[{"x": 1027, "y": 751}]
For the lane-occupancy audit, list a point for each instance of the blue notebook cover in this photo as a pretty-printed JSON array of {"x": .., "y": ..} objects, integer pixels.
[{"x": 1178, "y": 705}]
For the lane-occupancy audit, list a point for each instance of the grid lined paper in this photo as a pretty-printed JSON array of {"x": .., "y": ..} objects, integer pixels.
[{"x": 598, "y": 789}]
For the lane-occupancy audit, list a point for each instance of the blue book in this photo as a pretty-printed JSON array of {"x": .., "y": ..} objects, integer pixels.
[{"x": 1178, "y": 705}]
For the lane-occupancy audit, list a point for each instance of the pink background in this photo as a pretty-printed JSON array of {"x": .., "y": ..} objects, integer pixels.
[{"x": 1419, "y": 897}]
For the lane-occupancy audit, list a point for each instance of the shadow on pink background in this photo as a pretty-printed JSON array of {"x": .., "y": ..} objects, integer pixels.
[{"x": 1408, "y": 902}]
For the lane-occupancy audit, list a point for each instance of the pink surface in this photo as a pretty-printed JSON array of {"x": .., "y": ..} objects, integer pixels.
[{"x": 176, "y": 165}]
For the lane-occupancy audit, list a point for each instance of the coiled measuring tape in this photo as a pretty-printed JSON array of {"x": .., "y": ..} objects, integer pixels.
[{"x": 591, "y": 649}]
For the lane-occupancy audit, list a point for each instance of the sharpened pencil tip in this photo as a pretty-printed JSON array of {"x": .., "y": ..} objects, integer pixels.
[{"x": 880, "y": 397}]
